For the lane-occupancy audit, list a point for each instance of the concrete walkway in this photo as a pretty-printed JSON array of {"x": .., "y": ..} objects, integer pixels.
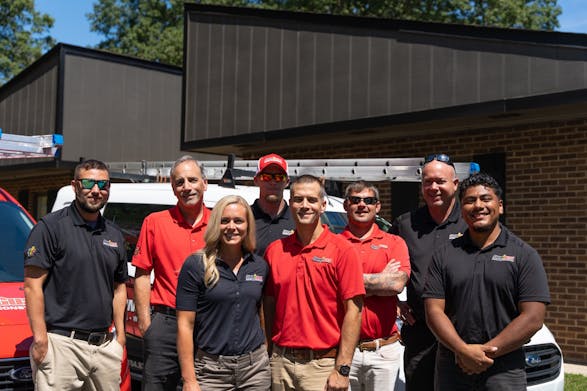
[{"x": 576, "y": 369}]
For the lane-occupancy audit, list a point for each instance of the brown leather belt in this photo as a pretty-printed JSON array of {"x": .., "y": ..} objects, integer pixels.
[
  {"x": 97, "y": 338},
  {"x": 373, "y": 344},
  {"x": 304, "y": 354}
]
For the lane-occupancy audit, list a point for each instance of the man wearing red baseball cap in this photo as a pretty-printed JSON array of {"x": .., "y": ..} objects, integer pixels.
[{"x": 272, "y": 218}]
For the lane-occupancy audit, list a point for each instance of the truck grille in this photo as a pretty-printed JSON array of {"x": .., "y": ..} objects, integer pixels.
[
  {"x": 543, "y": 363},
  {"x": 15, "y": 374}
]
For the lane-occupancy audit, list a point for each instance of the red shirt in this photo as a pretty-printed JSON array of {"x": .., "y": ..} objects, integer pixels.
[
  {"x": 375, "y": 252},
  {"x": 309, "y": 285},
  {"x": 166, "y": 240}
]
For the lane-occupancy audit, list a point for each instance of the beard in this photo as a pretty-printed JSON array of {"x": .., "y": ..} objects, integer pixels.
[{"x": 89, "y": 208}]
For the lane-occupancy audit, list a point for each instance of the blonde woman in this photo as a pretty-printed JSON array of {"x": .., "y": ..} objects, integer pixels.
[{"x": 219, "y": 296}]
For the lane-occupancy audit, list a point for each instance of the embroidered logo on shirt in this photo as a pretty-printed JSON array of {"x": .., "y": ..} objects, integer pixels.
[
  {"x": 503, "y": 258},
  {"x": 109, "y": 243},
  {"x": 454, "y": 236},
  {"x": 378, "y": 246},
  {"x": 321, "y": 259},
  {"x": 31, "y": 251},
  {"x": 287, "y": 232},
  {"x": 253, "y": 277}
]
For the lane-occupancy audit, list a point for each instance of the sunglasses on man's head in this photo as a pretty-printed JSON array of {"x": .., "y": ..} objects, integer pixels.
[
  {"x": 441, "y": 157},
  {"x": 88, "y": 184},
  {"x": 275, "y": 177},
  {"x": 367, "y": 200}
]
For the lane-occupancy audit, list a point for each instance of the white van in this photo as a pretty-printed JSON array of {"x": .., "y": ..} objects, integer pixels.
[{"x": 130, "y": 203}]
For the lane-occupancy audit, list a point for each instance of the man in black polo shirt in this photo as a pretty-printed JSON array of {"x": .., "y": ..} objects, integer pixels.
[
  {"x": 424, "y": 230},
  {"x": 75, "y": 269},
  {"x": 272, "y": 218},
  {"x": 485, "y": 296}
]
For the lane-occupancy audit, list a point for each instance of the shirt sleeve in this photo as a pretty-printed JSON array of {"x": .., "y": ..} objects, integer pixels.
[
  {"x": 142, "y": 256},
  {"x": 402, "y": 254},
  {"x": 434, "y": 282},
  {"x": 190, "y": 283},
  {"x": 532, "y": 278},
  {"x": 350, "y": 271},
  {"x": 41, "y": 247}
]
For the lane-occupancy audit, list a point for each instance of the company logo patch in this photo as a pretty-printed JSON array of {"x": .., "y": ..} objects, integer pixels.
[
  {"x": 287, "y": 232},
  {"x": 378, "y": 246},
  {"x": 253, "y": 277},
  {"x": 321, "y": 259},
  {"x": 109, "y": 243},
  {"x": 31, "y": 251},
  {"x": 503, "y": 258},
  {"x": 454, "y": 236}
]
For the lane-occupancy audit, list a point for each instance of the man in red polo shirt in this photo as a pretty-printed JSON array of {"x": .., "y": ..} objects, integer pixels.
[
  {"x": 314, "y": 297},
  {"x": 167, "y": 238},
  {"x": 386, "y": 267}
]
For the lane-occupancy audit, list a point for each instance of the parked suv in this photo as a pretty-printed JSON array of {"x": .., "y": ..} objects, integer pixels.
[{"x": 129, "y": 203}]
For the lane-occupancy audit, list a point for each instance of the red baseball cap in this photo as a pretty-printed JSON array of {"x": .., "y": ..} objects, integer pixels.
[{"x": 267, "y": 160}]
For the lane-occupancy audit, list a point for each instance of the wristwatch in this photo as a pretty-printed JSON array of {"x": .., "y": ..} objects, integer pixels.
[{"x": 344, "y": 370}]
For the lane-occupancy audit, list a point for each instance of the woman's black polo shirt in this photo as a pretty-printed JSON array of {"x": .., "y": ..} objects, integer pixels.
[{"x": 227, "y": 315}]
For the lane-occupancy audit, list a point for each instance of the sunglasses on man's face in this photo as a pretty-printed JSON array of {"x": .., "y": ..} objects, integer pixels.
[
  {"x": 88, "y": 184},
  {"x": 276, "y": 177},
  {"x": 367, "y": 200},
  {"x": 441, "y": 157}
]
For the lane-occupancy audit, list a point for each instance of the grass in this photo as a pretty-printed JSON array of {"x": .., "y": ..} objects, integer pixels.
[{"x": 575, "y": 382}]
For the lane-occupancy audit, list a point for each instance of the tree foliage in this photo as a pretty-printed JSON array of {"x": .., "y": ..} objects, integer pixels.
[
  {"x": 24, "y": 36},
  {"x": 153, "y": 29}
]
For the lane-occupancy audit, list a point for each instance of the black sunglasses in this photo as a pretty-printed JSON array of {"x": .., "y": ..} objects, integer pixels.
[
  {"x": 88, "y": 184},
  {"x": 367, "y": 200},
  {"x": 441, "y": 157}
]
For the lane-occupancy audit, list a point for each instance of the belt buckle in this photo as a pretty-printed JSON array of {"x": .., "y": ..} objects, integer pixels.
[{"x": 97, "y": 338}]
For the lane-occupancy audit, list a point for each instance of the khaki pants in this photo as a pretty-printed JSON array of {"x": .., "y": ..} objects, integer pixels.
[
  {"x": 72, "y": 364},
  {"x": 289, "y": 375}
]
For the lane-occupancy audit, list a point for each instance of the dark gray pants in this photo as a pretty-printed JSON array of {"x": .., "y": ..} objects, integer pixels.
[
  {"x": 161, "y": 367},
  {"x": 506, "y": 374},
  {"x": 228, "y": 373}
]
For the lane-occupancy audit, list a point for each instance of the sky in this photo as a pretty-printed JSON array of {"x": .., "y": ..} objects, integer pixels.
[{"x": 72, "y": 27}]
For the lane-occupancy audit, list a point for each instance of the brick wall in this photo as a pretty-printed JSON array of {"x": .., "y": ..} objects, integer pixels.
[{"x": 546, "y": 203}]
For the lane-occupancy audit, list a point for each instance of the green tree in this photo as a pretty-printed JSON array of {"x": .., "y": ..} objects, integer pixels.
[
  {"x": 153, "y": 29},
  {"x": 24, "y": 36}
]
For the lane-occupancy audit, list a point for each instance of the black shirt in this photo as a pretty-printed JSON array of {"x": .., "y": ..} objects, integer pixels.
[
  {"x": 270, "y": 229},
  {"x": 482, "y": 287},
  {"x": 227, "y": 314},
  {"x": 423, "y": 236},
  {"x": 83, "y": 264}
]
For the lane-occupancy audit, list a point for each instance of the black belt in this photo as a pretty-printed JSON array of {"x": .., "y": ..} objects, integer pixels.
[
  {"x": 163, "y": 309},
  {"x": 91, "y": 337}
]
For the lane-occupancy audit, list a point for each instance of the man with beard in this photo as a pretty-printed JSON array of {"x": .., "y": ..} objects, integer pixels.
[
  {"x": 75, "y": 269},
  {"x": 272, "y": 218},
  {"x": 167, "y": 238},
  {"x": 485, "y": 296},
  {"x": 425, "y": 229}
]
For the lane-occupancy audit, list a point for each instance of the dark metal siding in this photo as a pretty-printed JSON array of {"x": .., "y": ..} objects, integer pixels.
[
  {"x": 260, "y": 72},
  {"x": 117, "y": 111}
]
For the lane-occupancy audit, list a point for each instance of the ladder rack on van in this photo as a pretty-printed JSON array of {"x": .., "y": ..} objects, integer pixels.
[
  {"x": 14, "y": 146},
  {"x": 375, "y": 170}
]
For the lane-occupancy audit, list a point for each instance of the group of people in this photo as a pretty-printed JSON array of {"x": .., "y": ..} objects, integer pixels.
[{"x": 266, "y": 297}]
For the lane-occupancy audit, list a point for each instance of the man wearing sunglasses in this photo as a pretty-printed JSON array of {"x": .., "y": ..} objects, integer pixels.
[
  {"x": 386, "y": 267},
  {"x": 424, "y": 230},
  {"x": 75, "y": 270},
  {"x": 272, "y": 218}
]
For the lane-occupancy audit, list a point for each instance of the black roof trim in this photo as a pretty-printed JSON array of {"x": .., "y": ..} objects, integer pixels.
[
  {"x": 469, "y": 31},
  {"x": 497, "y": 107}
]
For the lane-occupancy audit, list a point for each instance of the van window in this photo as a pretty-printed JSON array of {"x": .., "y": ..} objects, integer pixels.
[
  {"x": 15, "y": 227},
  {"x": 336, "y": 221}
]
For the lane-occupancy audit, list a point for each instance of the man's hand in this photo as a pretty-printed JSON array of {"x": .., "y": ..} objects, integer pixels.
[
  {"x": 336, "y": 382},
  {"x": 144, "y": 324},
  {"x": 191, "y": 386},
  {"x": 405, "y": 313},
  {"x": 39, "y": 350},
  {"x": 392, "y": 266},
  {"x": 121, "y": 339},
  {"x": 473, "y": 358}
]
